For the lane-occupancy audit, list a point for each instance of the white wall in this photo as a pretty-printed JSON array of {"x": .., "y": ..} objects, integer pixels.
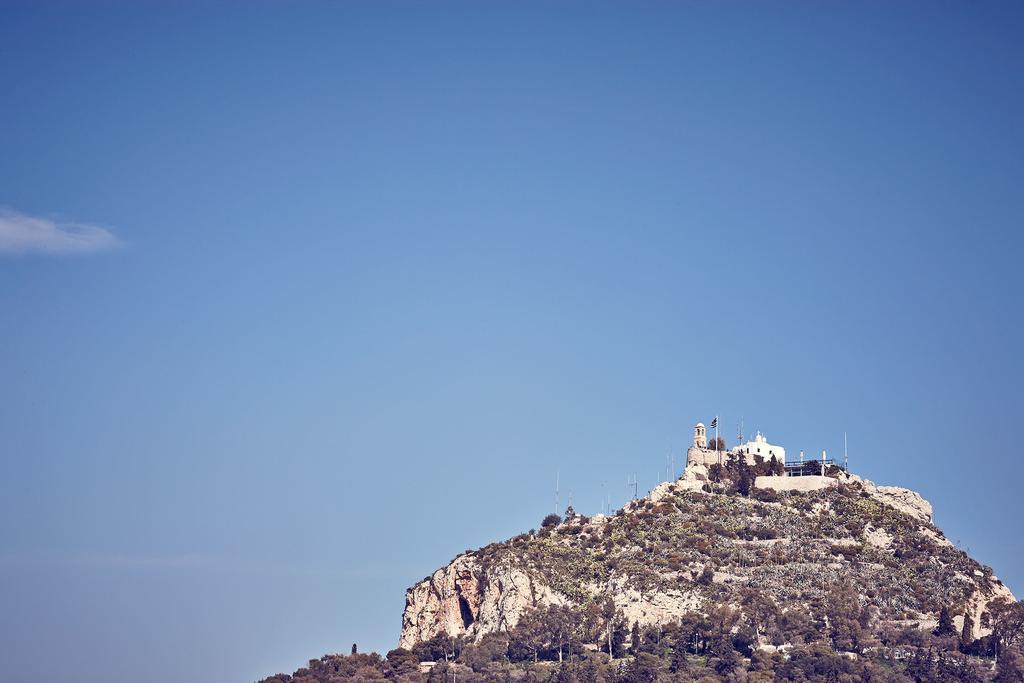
[
  {"x": 760, "y": 446},
  {"x": 808, "y": 483}
]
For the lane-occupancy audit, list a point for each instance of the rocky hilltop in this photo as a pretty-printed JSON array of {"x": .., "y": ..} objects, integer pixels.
[
  {"x": 701, "y": 541},
  {"x": 734, "y": 572}
]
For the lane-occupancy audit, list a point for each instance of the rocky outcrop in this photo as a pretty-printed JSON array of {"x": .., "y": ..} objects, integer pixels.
[
  {"x": 652, "y": 607},
  {"x": 904, "y": 500},
  {"x": 469, "y": 598},
  {"x": 694, "y": 478},
  {"x": 979, "y": 604},
  {"x": 691, "y": 542}
]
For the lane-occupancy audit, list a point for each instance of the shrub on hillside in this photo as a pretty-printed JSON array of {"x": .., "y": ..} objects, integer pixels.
[
  {"x": 765, "y": 495},
  {"x": 550, "y": 521}
]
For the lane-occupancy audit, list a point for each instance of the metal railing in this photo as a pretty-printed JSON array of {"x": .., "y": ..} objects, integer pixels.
[{"x": 811, "y": 467}]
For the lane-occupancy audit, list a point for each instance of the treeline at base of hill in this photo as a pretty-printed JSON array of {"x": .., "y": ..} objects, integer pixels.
[{"x": 703, "y": 648}]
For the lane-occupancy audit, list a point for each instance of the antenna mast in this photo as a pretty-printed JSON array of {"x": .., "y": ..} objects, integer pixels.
[
  {"x": 846, "y": 458},
  {"x": 557, "y": 474}
]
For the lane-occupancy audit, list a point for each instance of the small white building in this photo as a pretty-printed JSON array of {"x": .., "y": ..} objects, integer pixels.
[{"x": 760, "y": 446}]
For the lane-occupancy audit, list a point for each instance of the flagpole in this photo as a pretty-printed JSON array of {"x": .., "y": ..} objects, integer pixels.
[{"x": 717, "y": 448}]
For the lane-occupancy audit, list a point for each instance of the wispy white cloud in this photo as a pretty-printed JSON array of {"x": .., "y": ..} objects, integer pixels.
[{"x": 23, "y": 234}]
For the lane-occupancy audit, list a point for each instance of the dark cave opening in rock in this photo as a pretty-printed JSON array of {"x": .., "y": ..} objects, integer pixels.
[{"x": 467, "y": 614}]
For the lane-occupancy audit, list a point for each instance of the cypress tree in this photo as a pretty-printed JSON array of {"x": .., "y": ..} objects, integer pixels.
[
  {"x": 967, "y": 632},
  {"x": 945, "y": 627}
]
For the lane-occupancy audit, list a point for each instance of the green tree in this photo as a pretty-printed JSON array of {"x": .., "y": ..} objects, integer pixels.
[
  {"x": 921, "y": 666},
  {"x": 439, "y": 648},
  {"x": 1011, "y": 667},
  {"x": 721, "y": 619},
  {"x": 439, "y": 673},
  {"x": 480, "y": 656},
  {"x": 528, "y": 638},
  {"x": 645, "y": 668},
  {"x": 692, "y": 634},
  {"x": 955, "y": 667},
  {"x": 565, "y": 626},
  {"x": 797, "y": 626},
  {"x": 726, "y": 660},
  {"x": 677, "y": 660},
  {"x": 548, "y": 633},
  {"x": 619, "y": 633},
  {"x": 762, "y": 614},
  {"x": 967, "y": 632},
  {"x": 849, "y": 621},
  {"x": 564, "y": 674},
  {"x": 403, "y": 662},
  {"x": 613, "y": 629},
  {"x": 945, "y": 627},
  {"x": 745, "y": 482},
  {"x": 1007, "y": 622},
  {"x": 594, "y": 670}
]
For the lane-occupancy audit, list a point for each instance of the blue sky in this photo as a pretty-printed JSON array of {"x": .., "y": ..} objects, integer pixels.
[{"x": 299, "y": 300}]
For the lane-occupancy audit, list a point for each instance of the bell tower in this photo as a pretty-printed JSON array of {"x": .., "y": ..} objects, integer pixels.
[{"x": 700, "y": 438}]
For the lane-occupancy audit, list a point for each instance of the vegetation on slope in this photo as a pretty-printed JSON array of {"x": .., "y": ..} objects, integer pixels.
[
  {"x": 826, "y": 586},
  {"x": 794, "y": 548}
]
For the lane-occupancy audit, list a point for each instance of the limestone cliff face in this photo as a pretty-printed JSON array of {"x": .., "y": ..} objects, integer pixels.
[
  {"x": 903, "y": 500},
  {"x": 691, "y": 544},
  {"x": 470, "y": 597}
]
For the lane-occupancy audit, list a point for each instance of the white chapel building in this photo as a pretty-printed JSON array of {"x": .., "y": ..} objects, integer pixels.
[
  {"x": 760, "y": 446},
  {"x": 699, "y": 454}
]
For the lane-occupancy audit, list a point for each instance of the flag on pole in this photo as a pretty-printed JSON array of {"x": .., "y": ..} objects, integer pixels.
[{"x": 714, "y": 423}]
